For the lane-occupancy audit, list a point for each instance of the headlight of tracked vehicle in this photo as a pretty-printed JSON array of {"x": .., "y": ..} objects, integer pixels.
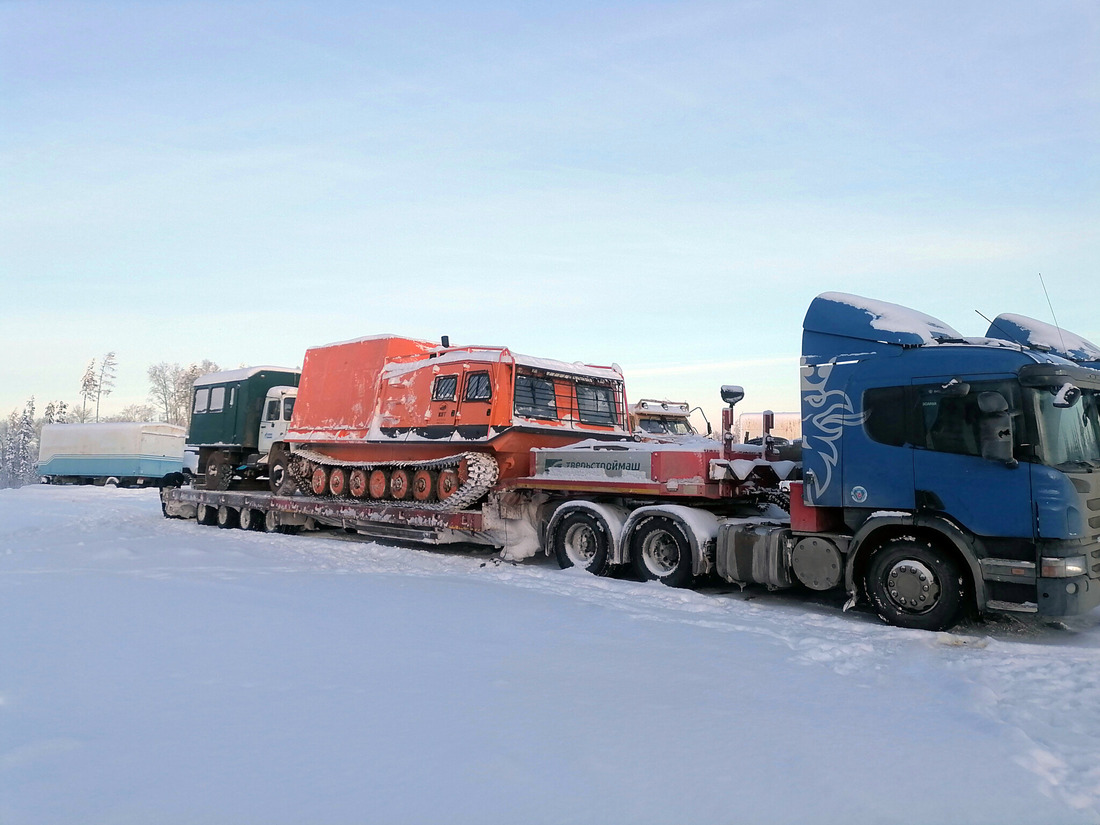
[{"x": 1064, "y": 568}]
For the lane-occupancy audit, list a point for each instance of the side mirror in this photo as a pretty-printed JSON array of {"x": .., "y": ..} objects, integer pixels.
[
  {"x": 1066, "y": 396},
  {"x": 731, "y": 393}
]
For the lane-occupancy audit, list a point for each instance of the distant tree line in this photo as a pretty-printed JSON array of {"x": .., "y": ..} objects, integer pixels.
[{"x": 169, "y": 402}]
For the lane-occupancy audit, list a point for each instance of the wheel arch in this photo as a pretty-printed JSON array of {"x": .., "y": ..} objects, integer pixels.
[
  {"x": 700, "y": 527},
  {"x": 610, "y": 516},
  {"x": 943, "y": 533}
]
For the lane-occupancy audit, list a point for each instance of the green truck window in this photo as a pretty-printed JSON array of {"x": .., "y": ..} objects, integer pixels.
[
  {"x": 217, "y": 399},
  {"x": 202, "y": 399}
]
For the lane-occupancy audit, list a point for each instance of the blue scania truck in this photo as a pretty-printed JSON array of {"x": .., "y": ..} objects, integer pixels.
[{"x": 942, "y": 472}]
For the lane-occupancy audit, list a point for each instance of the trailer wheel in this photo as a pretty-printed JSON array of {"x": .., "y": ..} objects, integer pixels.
[
  {"x": 660, "y": 550},
  {"x": 205, "y": 514},
  {"x": 227, "y": 517},
  {"x": 912, "y": 583},
  {"x": 251, "y": 519},
  {"x": 271, "y": 522},
  {"x": 581, "y": 540}
]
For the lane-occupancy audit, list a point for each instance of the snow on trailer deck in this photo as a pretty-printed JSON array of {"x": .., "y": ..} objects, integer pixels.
[{"x": 159, "y": 671}]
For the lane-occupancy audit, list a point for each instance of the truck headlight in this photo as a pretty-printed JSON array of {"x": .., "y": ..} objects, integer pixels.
[{"x": 1063, "y": 568}]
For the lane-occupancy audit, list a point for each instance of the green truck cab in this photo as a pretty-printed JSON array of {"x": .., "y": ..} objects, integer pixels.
[{"x": 236, "y": 416}]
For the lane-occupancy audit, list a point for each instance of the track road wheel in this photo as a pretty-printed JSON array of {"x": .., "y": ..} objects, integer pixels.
[
  {"x": 912, "y": 583},
  {"x": 219, "y": 471},
  {"x": 318, "y": 481},
  {"x": 581, "y": 540},
  {"x": 338, "y": 481},
  {"x": 227, "y": 517},
  {"x": 399, "y": 483},
  {"x": 660, "y": 550},
  {"x": 423, "y": 485},
  {"x": 446, "y": 483},
  {"x": 357, "y": 483},
  {"x": 378, "y": 484}
]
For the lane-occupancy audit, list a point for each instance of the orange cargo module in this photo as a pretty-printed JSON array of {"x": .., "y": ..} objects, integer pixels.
[{"x": 403, "y": 420}]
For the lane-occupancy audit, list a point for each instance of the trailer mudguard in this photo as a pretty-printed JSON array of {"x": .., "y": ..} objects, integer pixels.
[{"x": 700, "y": 527}]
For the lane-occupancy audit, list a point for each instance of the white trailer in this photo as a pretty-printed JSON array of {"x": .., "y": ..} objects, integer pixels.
[{"x": 125, "y": 453}]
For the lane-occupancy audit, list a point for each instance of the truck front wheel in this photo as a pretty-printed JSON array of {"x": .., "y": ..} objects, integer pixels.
[
  {"x": 912, "y": 583},
  {"x": 660, "y": 550},
  {"x": 581, "y": 540}
]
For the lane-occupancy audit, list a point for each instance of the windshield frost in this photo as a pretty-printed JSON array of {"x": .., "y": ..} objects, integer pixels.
[{"x": 1070, "y": 435}]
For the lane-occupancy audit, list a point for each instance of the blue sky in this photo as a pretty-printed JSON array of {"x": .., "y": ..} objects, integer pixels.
[{"x": 665, "y": 186}]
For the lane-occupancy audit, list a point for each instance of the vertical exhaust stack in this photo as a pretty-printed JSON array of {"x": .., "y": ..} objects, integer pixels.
[{"x": 445, "y": 341}]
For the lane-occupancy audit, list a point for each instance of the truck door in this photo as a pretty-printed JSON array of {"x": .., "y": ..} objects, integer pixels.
[
  {"x": 278, "y": 409},
  {"x": 475, "y": 405},
  {"x": 988, "y": 496}
]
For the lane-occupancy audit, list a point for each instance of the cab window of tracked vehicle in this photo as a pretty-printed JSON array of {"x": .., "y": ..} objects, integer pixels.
[
  {"x": 535, "y": 398},
  {"x": 596, "y": 405},
  {"x": 1070, "y": 436}
]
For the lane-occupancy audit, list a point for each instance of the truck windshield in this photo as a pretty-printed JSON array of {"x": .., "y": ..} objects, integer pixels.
[
  {"x": 665, "y": 426},
  {"x": 1070, "y": 435}
]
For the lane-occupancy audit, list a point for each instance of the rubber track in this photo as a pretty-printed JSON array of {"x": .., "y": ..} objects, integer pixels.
[{"x": 482, "y": 474}]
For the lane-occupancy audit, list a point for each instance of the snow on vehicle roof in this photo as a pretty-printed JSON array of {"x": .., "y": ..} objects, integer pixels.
[
  {"x": 237, "y": 375},
  {"x": 1031, "y": 332},
  {"x": 853, "y": 316},
  {"x": 457, "y": 355}
]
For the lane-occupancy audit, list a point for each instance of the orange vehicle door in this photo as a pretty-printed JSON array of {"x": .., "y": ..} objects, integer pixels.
[{"x": 475, "y": 404}]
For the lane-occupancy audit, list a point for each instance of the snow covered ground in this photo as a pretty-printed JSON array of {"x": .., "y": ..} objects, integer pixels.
[{"x": 156, "y": 671}]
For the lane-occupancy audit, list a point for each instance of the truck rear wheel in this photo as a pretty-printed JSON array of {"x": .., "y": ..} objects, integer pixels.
[
  {"x": 218, "y": 471},
  {"x": 581, "y": 540},
  {"x": 660, "y": 550},
  {"x": 913, "y": 583}
]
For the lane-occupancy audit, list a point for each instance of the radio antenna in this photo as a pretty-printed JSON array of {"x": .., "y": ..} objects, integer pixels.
[
  {"x": 1052, "y": 315},
  {"x": 994, "y": 325}
]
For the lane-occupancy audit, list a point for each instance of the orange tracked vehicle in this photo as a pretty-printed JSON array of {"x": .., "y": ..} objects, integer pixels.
[{"x": 408, "y": 421}]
